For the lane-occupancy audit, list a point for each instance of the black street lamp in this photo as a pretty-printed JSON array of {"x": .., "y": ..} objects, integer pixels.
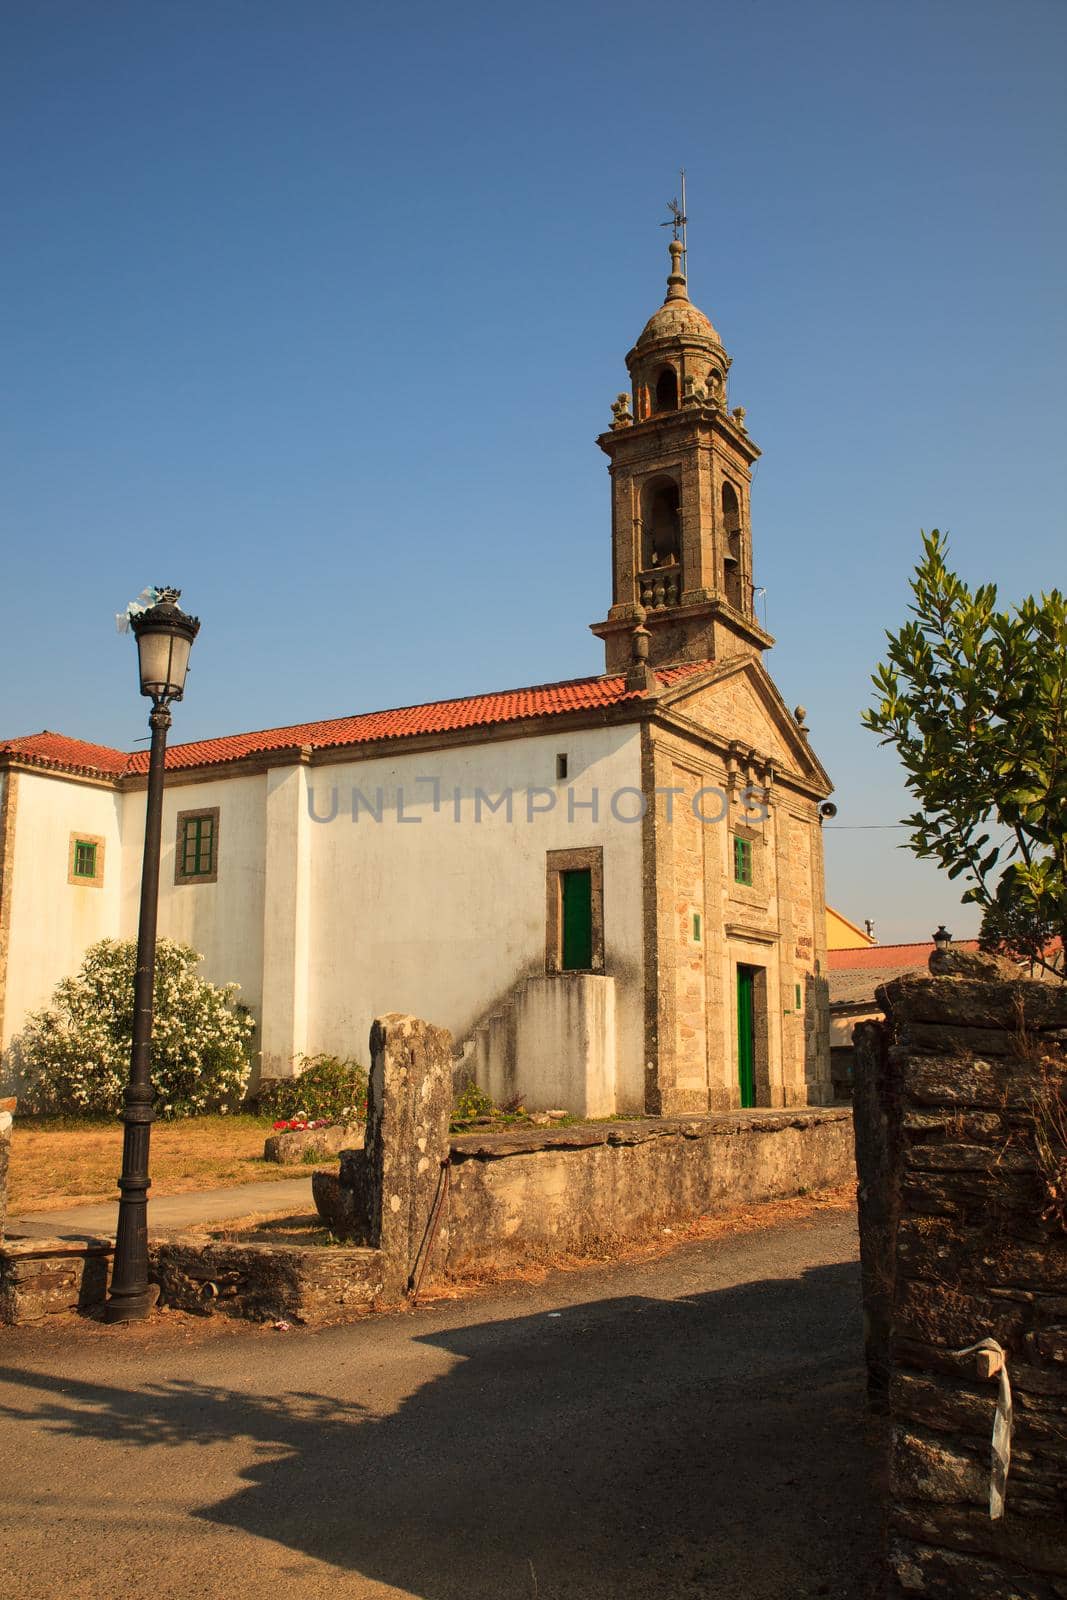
[
  {"x": 164, "y": 638},
  {"x": 942, "y": 938}
]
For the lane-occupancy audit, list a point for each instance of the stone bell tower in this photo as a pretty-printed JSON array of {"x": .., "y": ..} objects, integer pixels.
[{"x": 681, "y": 470}]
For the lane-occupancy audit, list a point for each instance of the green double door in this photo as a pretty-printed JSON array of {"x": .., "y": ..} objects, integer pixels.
[{"x": 746, "y": 1035}]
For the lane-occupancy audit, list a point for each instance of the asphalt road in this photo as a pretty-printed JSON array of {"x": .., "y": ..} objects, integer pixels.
[{"x": 693, "y": 1426}]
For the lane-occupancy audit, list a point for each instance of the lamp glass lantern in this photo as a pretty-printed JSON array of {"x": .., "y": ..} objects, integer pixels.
[
  {"x": 942, "y": 938},
  {"x": 164, "y": 639}
]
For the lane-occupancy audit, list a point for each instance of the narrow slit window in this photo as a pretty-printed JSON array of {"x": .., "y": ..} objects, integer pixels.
[
  {"x": 742, "y": 860},
  {"x": 697, "y": 927},
  {"x": 561, "y": 767},
  {"x": 800, "y": 1002}
]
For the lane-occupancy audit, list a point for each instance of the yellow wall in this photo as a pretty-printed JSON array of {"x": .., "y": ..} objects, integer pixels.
[{"x": 844, "y": 935}]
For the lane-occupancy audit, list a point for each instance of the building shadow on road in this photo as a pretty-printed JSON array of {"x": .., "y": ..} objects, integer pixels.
[{"x": 712, "y": 1446}]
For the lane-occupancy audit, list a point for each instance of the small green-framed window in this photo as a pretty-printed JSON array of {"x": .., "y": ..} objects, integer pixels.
[
  {"x": 84, "y": 858},
  {"x": 698, "y": 927},
  {"x": 800, "y": 1000},
  {"x": 742, "y": 860},
  {"x": 196, "y": 854},
  {"x": 198, "y": 847}
]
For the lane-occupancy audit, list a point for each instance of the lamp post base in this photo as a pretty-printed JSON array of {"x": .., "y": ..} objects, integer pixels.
[{"x": 132, "y": 1308}]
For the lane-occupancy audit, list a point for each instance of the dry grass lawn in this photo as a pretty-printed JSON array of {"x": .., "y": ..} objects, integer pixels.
[{"x": 57, "y": 1162}]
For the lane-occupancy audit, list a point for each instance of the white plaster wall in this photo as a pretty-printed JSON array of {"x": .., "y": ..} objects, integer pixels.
[
  {"x": 443, "y": 918},
  {"x": 52, "y": 921},
  {"x": 222, "y": 920},
  {"x": 337, "y": 922},
  {"x": 286, "y": 923},
  {"x": 565, "y": 1030}
]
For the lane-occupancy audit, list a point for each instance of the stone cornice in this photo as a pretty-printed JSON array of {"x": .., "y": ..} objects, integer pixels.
[
  {"x": 41, "y": 767},
  {"x": 700, "y": 415}
]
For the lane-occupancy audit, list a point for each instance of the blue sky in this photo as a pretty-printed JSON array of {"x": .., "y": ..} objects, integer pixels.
[{"x": 316, "y": 310}]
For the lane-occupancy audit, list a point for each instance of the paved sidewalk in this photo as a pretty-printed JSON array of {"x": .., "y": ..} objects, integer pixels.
[{"x": 171, "y": 1213}]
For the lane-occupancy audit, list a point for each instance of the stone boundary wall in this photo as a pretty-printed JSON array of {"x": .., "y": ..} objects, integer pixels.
[
  {"x": 415, "y": 1201},
  {"x": 510, "y": 1195},
  {"x": 40, "y": 1276},
  {"x": 953, "y": 1099},
  {"x": 5, "y": 1155},
  {"x": 513, "y": 1195}
]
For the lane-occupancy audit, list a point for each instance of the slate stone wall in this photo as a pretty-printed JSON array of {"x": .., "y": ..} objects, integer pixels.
[
  {"x": 960, "y": 1116},
  {"x": 5, "y": 1153}
]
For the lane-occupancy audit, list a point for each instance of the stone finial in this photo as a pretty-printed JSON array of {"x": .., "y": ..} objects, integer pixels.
[
  {"x": 738, "y": 414},
  {"x": 640, "y": 676},
  {"x": 676, "y": 288},
  {"x": 620, "y": 411},
  {"x": 800, "y": 717}
]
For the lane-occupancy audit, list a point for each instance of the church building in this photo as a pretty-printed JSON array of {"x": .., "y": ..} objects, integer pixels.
[{"x": 609, "y": 889}]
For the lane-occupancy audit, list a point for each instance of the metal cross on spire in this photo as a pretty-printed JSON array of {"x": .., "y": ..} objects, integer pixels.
[{"x": 677, "y": 222}]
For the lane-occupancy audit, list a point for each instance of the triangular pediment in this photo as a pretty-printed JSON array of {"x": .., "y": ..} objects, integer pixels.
[{"x": 737, "y": 701}]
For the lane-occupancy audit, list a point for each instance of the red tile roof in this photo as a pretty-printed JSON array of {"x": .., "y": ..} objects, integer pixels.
[
  {"x": 877, "y": 956},
  {"x": 440, "y": 716},
  {"x": 68, "y": 755}
]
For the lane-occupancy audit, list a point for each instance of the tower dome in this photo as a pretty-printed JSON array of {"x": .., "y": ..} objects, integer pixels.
[
  {"x": 678, "y": 353},
  {"x": 677, "y": 318}
]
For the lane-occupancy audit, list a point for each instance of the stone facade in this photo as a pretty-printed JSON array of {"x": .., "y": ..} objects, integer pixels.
[
  {"x": 681, "y": 469},
  {"x": 961, "y": 1126},
  {"x": 706, "y": 924}
]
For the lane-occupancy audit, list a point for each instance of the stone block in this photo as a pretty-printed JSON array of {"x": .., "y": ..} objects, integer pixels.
[
  {"x": 292, "y": 1146},
  {"x": 409, "y": 1106},
  {"x": 927, "y": 1469}
]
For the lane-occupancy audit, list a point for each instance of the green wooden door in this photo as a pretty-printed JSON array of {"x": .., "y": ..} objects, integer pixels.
[
  {"x": 577, "y": 950},
  {"x": 746, "y": 1053}
]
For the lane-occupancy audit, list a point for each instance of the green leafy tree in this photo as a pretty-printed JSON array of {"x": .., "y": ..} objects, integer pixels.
[
  {"x": 74, "y": 1057},
  {"x": 975, "y": 700}
]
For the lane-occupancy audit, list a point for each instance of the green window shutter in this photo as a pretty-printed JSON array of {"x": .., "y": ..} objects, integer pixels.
[
  {"x": 189, "y": 847},
  {"x": 577, "y": 891},
  {"x": 742, "y": 860},
  {"x": 84, "y": 859},
  {"x": 205, "y": 855},
  {"x": 198, "y": 847},
  {"x": 746, "y": 1042},
  {"x": 799, "y": 1001},
  {"x": 696, "y": 927}
]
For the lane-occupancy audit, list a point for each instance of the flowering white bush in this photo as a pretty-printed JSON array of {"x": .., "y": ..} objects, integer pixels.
[{"x": 75, "y": 1056}]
